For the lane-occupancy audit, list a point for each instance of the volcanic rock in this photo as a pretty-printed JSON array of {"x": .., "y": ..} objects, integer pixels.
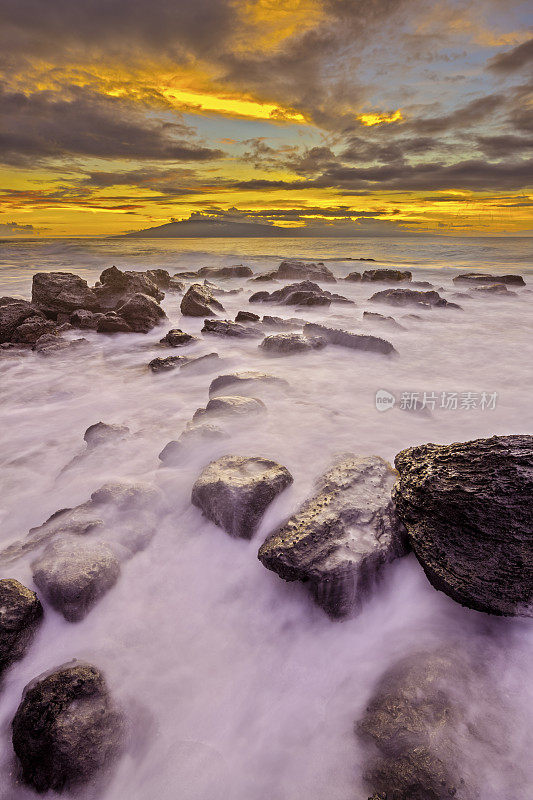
[
  {"x": 287, "y": 343},
  {"x": 480, "y": 278},
  {"x": 244, "y": 381},
  {"x": 142, "y": 313},
  {"x": 220, "y": 327},
  {"x": 355, "y": 341},
  {"x": 103, "y": 433},
  {"x": 176, "y": 338},
  {"x": 246, "y": 316},
  {"x": 405, "y": 297},
  {"x": 199, "y": 301},
  {"x": 386, "y": 275},
  {"x": 20, "y": 614},
  {"x": 62, "y": 292}
]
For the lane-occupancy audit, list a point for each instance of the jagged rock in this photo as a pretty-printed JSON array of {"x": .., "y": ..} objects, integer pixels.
[
  {"x": 74, "y": 573},
  {"x": 32, "y": 329},
  {"x": 430, "y": 716},
  {"x": 301, "y": 270},
  {"x": 480, "y": 278},
  {"x": 405, "y": 297},
  {"x": 234, "y": 491},
  {"x": 66, "y": 728},
  {"x": 14, "y": 313},
  {"x": 62, "y": 292},
  {"x": 230, "y": 406},
  {"x": 103, "y": 433},
  {"x": 386, "y": 275},
  {"x": 286, "y": 343},
  {"x": 161, "y": 278},
  {"x": 199, "y": 301},
  {"x": 20, "y": 614},
  {"x": 166, "y": 364},
  {"x": 304, "y": 293},
  {"x": 468, "y": 508},
  {"x": 88, "y": 320},
  {"x": 246, "y": 316},
  {"x": 116, "y": 287},
  {"x": 283, "y": 324},
  {"x": 264, "y": 276},
  {"x": 176, "y": 338},
  {"x": 339, "y": 540},
  {"x": 220, "y": 327},
  {"x": 355, "y": 277},
  {"x": 112, "y": 323},
  {"x": 142, "y": 313},
  {"x": 244, "y": 381},
  {"x": 48, "y": 344},
  {"x": 493, "y": 288},
  {"x": 201, "y": 364},
  {"x": 371, "y": 316},
  {"x": 235, "y": 271},
  {"x": 355, "y": 341}
]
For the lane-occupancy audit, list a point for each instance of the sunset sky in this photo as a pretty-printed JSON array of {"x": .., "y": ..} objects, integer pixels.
[{"x": 338, "y": 116}]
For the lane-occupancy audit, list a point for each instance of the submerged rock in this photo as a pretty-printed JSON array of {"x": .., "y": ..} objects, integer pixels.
[
  {"x": 112, "y": 323},
  {"x": 246, "y": 316},
  {"x": 230, "y": 406},
  {"x": 141, "y": 312},
  {"x": 199, "y": 301},
  {"x": 355, "y": 341},
  {"x": 66, "y": 728},
  {"x": 480, "y": 278},
  {"x": 234, "y": 491},
  {"x": 386, "y": 275},
  {"x": 224, "y": 327},
  {"x": 340, "y": 539},
  {"x": 235, "y": 271},
  {"x": 74, "y": 573},
  {"x": 244, "y": 381},
  {"x": 177, "y": 338},
  {"x": 372, "y": 316},
  {"x": 302, "y": 270},
  {"x": 354, "y": 277},
  {"x": 279, "y": 323},
  {"x": 286, "y": 343},
  {"x": 167, "y": 364},
  {"x": 405, "y": 297},
  {"x": 20, "y": 614},
  {"x": 468, "y": 509},
  {"x": 493, "y": 288},
  {"x": 193, "y": 434},
  {"x": 305, "y": 293},
  {"x": 103, "y": 433}
]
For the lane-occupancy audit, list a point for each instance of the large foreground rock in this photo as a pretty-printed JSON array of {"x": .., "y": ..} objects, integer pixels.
[
  {"x": 355, "y": 341},
  {"x": 339, "y": 539},
  {"x": 62, "y": 292},
  {"x": 115, "y": 286},
  {"x": 20, "y": 613},
  {"x": 411, "y": 297},
  {"x": 199, "y": 301},
  {"x": 15, "y": 315},
  {"x": 141, "y": 312},
  {"x": 234, "y": 491},
  {"x": 468, "y": 508},
  {"x": 432, "y": 716},
  {"x": 74, "y": 573},
  {"x": 66, "y": 728}
]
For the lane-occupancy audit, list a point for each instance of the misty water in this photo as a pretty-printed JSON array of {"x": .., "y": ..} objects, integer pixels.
[{"x": 236, "y": 686}]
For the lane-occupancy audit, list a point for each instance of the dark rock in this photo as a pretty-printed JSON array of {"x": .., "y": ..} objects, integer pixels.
[
  {"x": 468, "y": 508},
  {"x": 301, "y": 270},
  {"x": 62, "y": 292},
  {"x": 20, "y": 614},
  {"x": 161, "y": 278},
  {"x": 74, "y": 573},
  {"x": 175, "y": 286},
  {"x": 201, "y": 364},
  {"x": 103, "y": 433},
  {"x": 177, "y": 338},
  {"x": 116, "y": 286},
  {"x": 236, "y": 271},
  {"x": 304, "y": 293},
  {"x": 166, "y": 364},
  {"x": 199, "y": 301},
  {"x": 283, "y": 324},
  {"x": 372, "y": 316},
  {"x": 230, "y": 406},
  {"x": 423, "y": 285},
  {"x": 353, "y": 276},
  {"x": 493, "y": 288},
  {"x": 355, "y": 341},
  {"x": 480, "y": 278},
  {"x": 386, "y": 275},
  {"x": 32, "y": 329},
  {"x": 112, "y": 323},
  {"x": 234, "y": 491},
  {"x": 220, "y": 327},
  {"x": 142, "y": 313},
  {"x": 244, "y": 381},
  {"x": 66, "y": 728},
  {"x": 48, "y": 344},
  {"x": 265, "y": 276},
  {"x": 14, "y": 313},
  {"x": 246, "y": 316},
  {"x": 81, "y": 318},
  {"x": 286, "y": 343},
  {"x": 339, "y": 540},
  {"x": 217, "y": 290},
  {"x": 405, "y": 297}
]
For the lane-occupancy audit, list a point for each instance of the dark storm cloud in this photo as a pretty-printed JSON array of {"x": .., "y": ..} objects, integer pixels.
[
  {"x": 514, "y": 59},
  {"x": 466, "y": 116},
  {"x": 504, "y": 145},
  {"x": 85, "y": 123}
]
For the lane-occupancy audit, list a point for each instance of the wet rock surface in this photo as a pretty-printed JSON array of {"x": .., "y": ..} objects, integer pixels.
[
  {"x": 468, "y": 511},
  {"x": 246, "y": 316},
  {"x": 112, "y": 323},
  {"x": 481, "y": 278},
  {"x": 141, "y": 313},
  {"x": 234, "y": 491},
  {"x": 224, "y": 327},
  {"x": 116, "y": 286},
  {"x": 74, "y": 574},
  {"x": 245, "y": 381},
  {"x": 15, "y": 315},
  {"x": 104, "y": 433},
  {"x": 230, "y": 406},
  {"x": 287, "y": 343},
  {"x": 303, "y": 270},
  {"x": 339, "y": 540},
  {"x": 62, "y": 292},
  {"x": 66, "y": 729},
  {"x": 199, "y": 301},
  {"x": 410, "y": 297},
  {"x": 305, "y": 293},
  {"x": 20, "y": 614},
  {"x": 355, "y": 341},
  {"x": 177, "y": 338},
  {"x": 386, "y": 275}
]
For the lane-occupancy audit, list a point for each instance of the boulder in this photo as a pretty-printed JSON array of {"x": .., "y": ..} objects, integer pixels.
[
  {"x": 355, "y": 341},
  {"x": 161, "y": 278},
  {"x": 480, "y": 278},
  {"x": 282, "y": 324},
  {"x": 13, "y": 313},
  {"x": 230, "y": 406},
  {"x": 244, "y": 381},
  {"x": 468, "y": 509},
  {"x": 116, "y": 286},
  {"x": 407, "y": 297},
  {"x": 199, "y": 301},
  {"x": 142, "y": 313},
  {"x": 201, "y": 364},
  {"x": 386, "y": 275},
  {"x": 176, "y": 338},
  {"x": 20, "y": 614},
  {"x": 304, "y": 293},
  {"x": 166, "y": 364},
  {"x": 371, "y": 316},
  {"x": 62, "y": 292},
  {"x": 235, "y": 271},
  {"x": 234, "y": 491},
  {"x": 81, "y": 318},
  {"x": 103, "y": 433},
  {"x": 355, "y": 277},
  {"x": 431, "y": 716},
  {"x": 340, "y": 539},
  {"x": 32, "y": 329},
  {"x": 423, "y": 285},
  {"x": 193, "y": 434},
  {"x": 220, "y": 327},
  {"x": 66, "y": 729},
  {"x": 246, "y": 316},
  {"x": 287, "y": 343},
  {"x": 301, "y": 270},
  {"x": 74, "y": 573},
  {"x": 493, "y": 288},
  {"x": 112, "y": 323}
]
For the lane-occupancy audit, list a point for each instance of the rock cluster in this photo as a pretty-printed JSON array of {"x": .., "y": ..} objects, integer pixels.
[
  {"x": 305, "y": 293},
  {"x": 411, "y": 297},
  {"x": 20, "y": 614},
  {"x": 300, "y": 270}
]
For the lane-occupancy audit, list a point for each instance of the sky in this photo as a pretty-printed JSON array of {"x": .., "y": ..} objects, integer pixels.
[{"x": 329, "y": 117}]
